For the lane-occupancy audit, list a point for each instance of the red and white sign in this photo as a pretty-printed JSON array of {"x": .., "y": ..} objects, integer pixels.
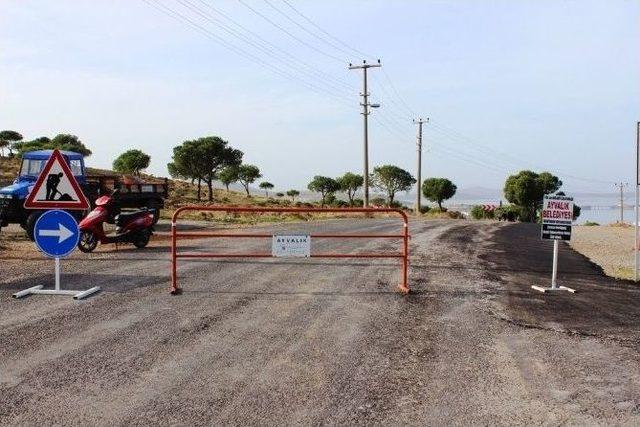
[
  {"x": 56, "y": 187},
  {"x": 489, "y": 208},
  {"x": 557, "y": 216}
]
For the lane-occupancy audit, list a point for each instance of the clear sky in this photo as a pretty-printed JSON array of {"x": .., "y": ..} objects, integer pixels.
[{"x": 507, "y": 84}]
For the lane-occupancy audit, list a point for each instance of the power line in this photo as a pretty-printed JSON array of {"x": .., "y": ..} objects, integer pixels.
[
  {"x": 356, "y": 51},
  {"x": 284, "y": 52},
  {"x": 287, "y": 32},
  {"x": 305, "y": 29},
  {"x": 239, "y": 51},
  {"x": 480, "y": 147},
  {"x": 261, "y": 47}
]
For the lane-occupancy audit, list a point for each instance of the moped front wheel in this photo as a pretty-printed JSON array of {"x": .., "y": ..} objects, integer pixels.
[{"x": 87, "y": 242}]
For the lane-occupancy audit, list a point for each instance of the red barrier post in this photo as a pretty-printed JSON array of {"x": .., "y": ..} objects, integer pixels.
[{"x": 404, "y": 255}]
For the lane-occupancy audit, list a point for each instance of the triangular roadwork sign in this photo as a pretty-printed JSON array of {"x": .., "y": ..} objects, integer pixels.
[{"x": 56, "y": 187}]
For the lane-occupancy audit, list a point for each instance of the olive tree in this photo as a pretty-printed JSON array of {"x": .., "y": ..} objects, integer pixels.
[
  {"x": 527, "y": 189},
  {"x": 228, "y": 176},
  {"x": 247, "y": 175},
  {"x": 7, "y": 139},
  {"x": 391, "y": 179},
  {"x": 266, "y": 186},
  {"x": 131, "y": 162},
  {"x": 438, "y": 189},
  {"x": 323, "y": 185},
  {"x": 349, "y": 184}
]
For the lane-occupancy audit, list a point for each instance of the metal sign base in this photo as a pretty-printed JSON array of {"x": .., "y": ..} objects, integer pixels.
[
  {"x": 57, "y": 291},
  {"x": 557, "y": 288},
  {"x": 554, "y": 275}
]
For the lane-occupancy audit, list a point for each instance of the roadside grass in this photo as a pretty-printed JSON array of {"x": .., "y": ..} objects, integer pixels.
[
  {"x": 9, "y": 167},
  {"x": 436, "y": 214},
  {"x": 622, "y": 272}
]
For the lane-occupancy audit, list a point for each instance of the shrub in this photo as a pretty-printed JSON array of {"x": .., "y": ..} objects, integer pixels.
[
  {"x": 378, "y": 201},
  {"x": 340, "y": 204},
  {"x": 330, "y": 199},
  {"x": 510, "y": 213},
  {"x": 477, "y": 212},
  {"x": 591, "y": 224},
  {"x": 358, "y": 202},
  {"x": 424, "y": 209}
]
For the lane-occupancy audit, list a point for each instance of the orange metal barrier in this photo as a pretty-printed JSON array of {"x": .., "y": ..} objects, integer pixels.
[{"x": 403, "y": 255}]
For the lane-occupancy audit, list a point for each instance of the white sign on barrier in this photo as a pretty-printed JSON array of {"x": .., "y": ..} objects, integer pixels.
[{"x": 291, "y": 245}]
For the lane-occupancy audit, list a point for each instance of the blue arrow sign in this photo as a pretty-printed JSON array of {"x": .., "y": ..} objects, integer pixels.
[{"x": 56, "y": 233}]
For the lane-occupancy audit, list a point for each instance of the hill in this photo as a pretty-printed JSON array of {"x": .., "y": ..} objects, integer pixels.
[{"x": 8, "y": 169}]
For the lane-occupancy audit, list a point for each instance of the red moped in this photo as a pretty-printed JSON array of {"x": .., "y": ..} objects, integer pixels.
[{"x": 132, "y": 227}]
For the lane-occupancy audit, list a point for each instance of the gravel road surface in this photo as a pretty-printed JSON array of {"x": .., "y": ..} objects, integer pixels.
[{"x": 290, "y": 341}]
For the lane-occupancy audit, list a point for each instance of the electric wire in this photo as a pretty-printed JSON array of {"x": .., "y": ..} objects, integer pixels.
[
  {"x": 293, "y": 36},
  {"x": 241, "y": 52},
  {"x": 256, "y": 44},
  {"x": 358, "y": 52}
]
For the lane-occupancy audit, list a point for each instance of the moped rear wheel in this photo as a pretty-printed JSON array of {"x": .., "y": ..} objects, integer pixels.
[
  {"x": 141, "y": 239},
  {"x": 87, "y": 242}
]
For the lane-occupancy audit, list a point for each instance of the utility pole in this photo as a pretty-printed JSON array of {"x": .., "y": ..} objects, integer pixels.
[
  {"x": 419, "y": 122},
  {"x": 365, "y": 113},
  {"x": 621, "y": 187},
  {"x": 637, "y": 182}
]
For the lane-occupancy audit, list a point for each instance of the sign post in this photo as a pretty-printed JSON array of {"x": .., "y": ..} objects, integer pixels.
[
  {"x": 636, "y": 225},
  {"x": 557, "y": 216},
  {"x": 56, "y": 232}
]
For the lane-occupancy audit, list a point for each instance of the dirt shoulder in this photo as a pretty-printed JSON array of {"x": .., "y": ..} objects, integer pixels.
[{"x": 610, "y": 247}]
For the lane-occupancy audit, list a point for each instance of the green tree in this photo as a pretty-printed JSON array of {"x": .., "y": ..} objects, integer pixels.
[
  {"x": 391, "y": 179},
  {"x": 438, "y": 189},
  {"x": 131, "y": 162},
  {"x": 188, "y": 163},
  {"x": 7, "y": 139},
  {"x": 323, "y": 185},
  {"x": 228, "y": 176},
  {"x": 293, "y": 194},
  {"x": 266, "y": 186},
  {"x": 63, "y": 141},
  {"x": 208, "y": 156},
  {"x": 350, "y": 183},
  {"x": 247, "y": 175},
  {"x": 527, "y": 189}
]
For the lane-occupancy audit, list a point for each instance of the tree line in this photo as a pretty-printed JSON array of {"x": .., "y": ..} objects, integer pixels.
[
  {"x": 209, "y": 159},
  {"x": 16, "y": 145},
  {"x": 388, "y": 179}
]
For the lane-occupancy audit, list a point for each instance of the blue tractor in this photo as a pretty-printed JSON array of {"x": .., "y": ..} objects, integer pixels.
[{"x": 12, "y": 197}]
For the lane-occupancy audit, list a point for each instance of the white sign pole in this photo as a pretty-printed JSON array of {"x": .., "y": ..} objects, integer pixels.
[
  {"x": 554, "y": 271},
  {"x": 57, "y": 274},
  {"x": 635, "y": 249}
]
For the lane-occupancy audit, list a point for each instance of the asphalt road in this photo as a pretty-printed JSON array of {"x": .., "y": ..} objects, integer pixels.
[{"x": 319, "y": 341}]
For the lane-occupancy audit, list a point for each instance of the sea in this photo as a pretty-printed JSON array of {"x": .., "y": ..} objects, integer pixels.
[{"x": 601, "y": 208}]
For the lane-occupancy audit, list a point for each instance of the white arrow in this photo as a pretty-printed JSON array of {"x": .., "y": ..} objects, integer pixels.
[{"x": 62, "y": 233}]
